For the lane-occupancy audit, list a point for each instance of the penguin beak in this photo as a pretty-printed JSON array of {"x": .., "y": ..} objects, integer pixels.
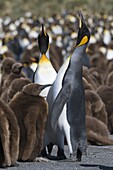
[
  {"x": 81, "y": 19},
  {"x": 20, "y": 66},
  {"x": 43, "y": 30},
  {"x": 83, "y": 33},
  {"x": 44, "y": 86}
]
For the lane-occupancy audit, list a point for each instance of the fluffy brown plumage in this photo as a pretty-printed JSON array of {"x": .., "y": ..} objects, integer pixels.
[
  {"x": 98, "y": 60},
  {"x": 16, "y": 86},
  {"x": 109, "y": 79},
  {"x": 31, "y": 112},
  {"x": 109, "y": 65},
  {"x": 97, "y": 132},
  {"x": 9, "y": 136},
  {"x": 98, "y": 74},
  {"x": 15, "y": 73},
  {"x": 95, "y": 106},
  {"x": 87, "y": 85},
  {"x": 90, "y": 78},
  {"x": 106, "y": 93},
  {"x": 5, "y": 68}
]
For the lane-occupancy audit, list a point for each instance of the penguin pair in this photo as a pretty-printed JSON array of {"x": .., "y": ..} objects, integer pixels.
[{"x": 66, "y": 100}]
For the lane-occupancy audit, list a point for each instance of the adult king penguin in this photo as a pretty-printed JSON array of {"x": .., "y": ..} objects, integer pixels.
[
  {"x": 45, "y": 72},
  {"x": 66, "y": 100}
]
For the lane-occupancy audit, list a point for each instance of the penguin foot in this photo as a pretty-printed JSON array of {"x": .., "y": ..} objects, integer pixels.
[
  {"x": 76, "y": 157},
  {"x": 50, "y": 147},
  {"x": 40, "y": 159},
  {"x": 79, "y": 155},
  {"x": 44, "y": 153},
  {"x": 60, "y": 154}
]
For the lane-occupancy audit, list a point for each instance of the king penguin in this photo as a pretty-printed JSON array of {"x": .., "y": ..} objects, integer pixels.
[
  {"x": 45, "y": 72},
  {"x": 66, "y": 101}
]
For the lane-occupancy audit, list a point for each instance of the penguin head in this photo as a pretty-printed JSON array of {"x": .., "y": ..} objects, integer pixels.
[
  {"x": 43, "y": 41},
  {"x": 83, "y": 32},
  {"x": 16, "y": 68},
  {"x": 34, "y": 89},
  {"x": 6, "y": 64}
]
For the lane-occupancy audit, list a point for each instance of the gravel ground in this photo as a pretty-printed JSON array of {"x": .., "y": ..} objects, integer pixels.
[{"x": 98, "y": 158}]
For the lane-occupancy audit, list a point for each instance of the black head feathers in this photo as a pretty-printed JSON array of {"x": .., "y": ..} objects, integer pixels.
[
  {"x": 43, "y": 41},
  {"x": 83, "y": 32}
]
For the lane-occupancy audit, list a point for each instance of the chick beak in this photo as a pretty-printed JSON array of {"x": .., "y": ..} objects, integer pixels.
[
  {"x": 43, "y": 32},
  {"x": 44, "y": 86}
]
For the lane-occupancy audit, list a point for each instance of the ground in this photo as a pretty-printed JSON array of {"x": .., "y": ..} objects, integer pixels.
[{"x": 98, "y": 158}]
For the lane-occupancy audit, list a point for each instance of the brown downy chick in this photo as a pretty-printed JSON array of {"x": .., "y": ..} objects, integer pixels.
[
  {"x": 15, "y": 73},
  {"x": 97, "y": 132},
  {"x": 16, "y": 86},
  {"x": 31, "y": 111},
  {"x": 87, "y": 85},
  {"x": 91, "y": 79},
  {"x": 106, "y": 93},
  {"x": 9, "y": 136},
  {"x": 95, "y": 106},
  {"x": 99, "y": 60},
  {"x": 109, "y": 79},
  {"x": 98, "y": 74},
  {"x": 109, "y": 66},
  {"x": 5, "y": 68}
]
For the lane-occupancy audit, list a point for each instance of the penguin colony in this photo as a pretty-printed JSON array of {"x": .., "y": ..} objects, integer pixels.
[{"x": 35, "y": 63}]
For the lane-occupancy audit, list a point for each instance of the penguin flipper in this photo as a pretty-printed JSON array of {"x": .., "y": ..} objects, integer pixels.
[{"x": 59, "y": 103}]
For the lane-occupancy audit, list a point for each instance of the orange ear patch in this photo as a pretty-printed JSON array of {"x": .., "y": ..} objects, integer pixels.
[{"x": 83, "y": 41}]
